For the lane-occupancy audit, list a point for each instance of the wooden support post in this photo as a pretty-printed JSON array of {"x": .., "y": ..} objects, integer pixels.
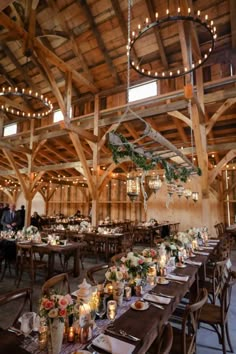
[{"x": 96, "y": 167}]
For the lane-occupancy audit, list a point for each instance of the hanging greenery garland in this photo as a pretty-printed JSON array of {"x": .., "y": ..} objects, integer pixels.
[{"x": 121, "y": 148}]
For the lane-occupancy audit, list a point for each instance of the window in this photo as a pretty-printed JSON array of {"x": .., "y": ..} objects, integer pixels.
[
  {"x": 10, "y": 129},
  {"x": 58, "y": 116},
  {"x": 143, "y": 91}
]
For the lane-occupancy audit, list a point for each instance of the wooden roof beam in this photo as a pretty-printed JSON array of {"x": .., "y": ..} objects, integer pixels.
[
  {"x": 98, "y": 36},
  {"x": 151, "y": 12}
]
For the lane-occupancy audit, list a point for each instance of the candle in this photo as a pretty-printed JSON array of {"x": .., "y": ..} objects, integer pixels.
[
  {"x": 110, "y": 289},
  {"x": 127, "y": 293},
  {"x": 71, "y": 334},
  {"x": 43, "y": 337},
  {"x": 111, "y": 310},
  {"x": 84, "y": 315}
]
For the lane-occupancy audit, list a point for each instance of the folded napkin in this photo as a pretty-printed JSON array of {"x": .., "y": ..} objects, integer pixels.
[
  {"x": 211, "y": 240},
  {"x": 188, "y": 261},
  {"x": 177, "y": 277},
  {"x": 157, "y": 299},
  {"x": 207, "y": 248},
  {"x": 202, "y": 253},
  {"x": 112, "y": 345}
]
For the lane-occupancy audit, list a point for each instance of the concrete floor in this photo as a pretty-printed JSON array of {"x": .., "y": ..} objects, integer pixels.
[{"x": 207, "y": 341}]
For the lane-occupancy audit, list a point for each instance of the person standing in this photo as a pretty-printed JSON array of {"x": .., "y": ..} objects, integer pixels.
[
  {"x": 11, "y": 219},
  {"x": 22, "y": 216}
]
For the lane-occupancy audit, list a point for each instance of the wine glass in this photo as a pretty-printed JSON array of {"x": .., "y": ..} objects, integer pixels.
[{"x": 101, "y": 308}]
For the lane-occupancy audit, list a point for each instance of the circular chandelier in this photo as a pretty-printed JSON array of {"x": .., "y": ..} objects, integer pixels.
[
  {"x": 9, "y": 107},
  {"x": 143, "y": 65}
]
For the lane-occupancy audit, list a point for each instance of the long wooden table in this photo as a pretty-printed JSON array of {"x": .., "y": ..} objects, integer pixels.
[{"x": 146, "y": 325}]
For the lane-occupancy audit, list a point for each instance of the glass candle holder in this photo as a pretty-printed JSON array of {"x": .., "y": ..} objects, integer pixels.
[
  {"x": 127, "y": 293},
  {"x": 71, "y": 334},
  {"x": 111, "y": 310}
]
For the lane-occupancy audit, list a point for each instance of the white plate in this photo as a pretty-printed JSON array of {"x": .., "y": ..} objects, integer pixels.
[
  {"x": 180, "y": 265},
  {"x": 163, "y": 281},
  {"x": 145, "y": 307}
]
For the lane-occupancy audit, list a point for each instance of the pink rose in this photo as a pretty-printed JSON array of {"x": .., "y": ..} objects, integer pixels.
[
  {"x": 48, "y": 304},
  {"x": 62, "y": 313},
  {"x": 140, "y": 261}
]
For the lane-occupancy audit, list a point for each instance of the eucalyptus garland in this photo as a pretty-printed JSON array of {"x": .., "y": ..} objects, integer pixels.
[{"x": 146, "y": 160}]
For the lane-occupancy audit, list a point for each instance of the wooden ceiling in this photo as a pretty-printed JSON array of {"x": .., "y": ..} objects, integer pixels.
[{"x": 75, "y": 51}]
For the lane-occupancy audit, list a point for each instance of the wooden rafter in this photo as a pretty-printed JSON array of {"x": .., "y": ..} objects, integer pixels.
[
  {"x": 98, "y": 36},
  {"x": 228, "y": 157},
  {"x": 226, "y": 105}
]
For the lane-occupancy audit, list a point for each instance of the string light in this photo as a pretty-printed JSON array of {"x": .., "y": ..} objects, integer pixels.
[
  {"x": 202, "y": 23},
  {"x": 28, "y": 94}
]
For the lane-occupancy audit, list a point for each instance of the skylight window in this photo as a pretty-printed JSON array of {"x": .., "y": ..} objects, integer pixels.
[
  {"x": 143, "y": 91},
  {"x": 10, "y": 129}
]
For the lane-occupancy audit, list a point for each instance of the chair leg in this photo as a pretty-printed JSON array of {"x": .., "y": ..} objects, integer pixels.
[
  {"x": 223, "y": 339},
  {"x": 228, "y": 338}
]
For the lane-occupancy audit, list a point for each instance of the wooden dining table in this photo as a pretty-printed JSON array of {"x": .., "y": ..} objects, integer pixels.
[{"x": 146, "y": 325}]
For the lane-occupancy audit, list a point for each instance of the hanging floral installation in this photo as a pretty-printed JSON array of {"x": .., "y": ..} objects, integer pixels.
[{"x": 121, "y": 148}]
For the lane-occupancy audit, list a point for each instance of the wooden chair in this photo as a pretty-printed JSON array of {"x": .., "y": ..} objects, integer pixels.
[
  {"x": 23, "y": 300},
  {"x": 184, "y": 338},
  {"x": 8, "y": 257},
  {"x": 217, "y": 315},
  {"x": 27, "y": 261},
  {"x": 116, "y": 258},
  {"x": 59, "y": 282},
  {"x": 163, "y": 344},
  {"x": 217, "y": 274},
  {"x": 99, "y": 272}
]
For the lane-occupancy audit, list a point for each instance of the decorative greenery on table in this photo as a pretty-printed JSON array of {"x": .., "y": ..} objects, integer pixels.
[{"x": 146, "y": 160}]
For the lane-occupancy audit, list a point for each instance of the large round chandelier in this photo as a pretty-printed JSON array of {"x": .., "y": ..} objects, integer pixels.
[
  {"x": 154, "y": 183},
  {"x": 11, "y": 107},
  {"x": 144, "y": 66}
]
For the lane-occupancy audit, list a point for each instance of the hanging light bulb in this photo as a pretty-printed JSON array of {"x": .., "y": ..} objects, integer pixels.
[
  {"x": 187, "y": 193},
  {"x": 133, "y": 187},
  {"x": 154, "y": 183},
  {"x": 180, "y": 190},
  {"x": 195, "y": 196}
]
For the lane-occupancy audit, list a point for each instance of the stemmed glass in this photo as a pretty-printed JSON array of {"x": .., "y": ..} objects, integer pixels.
[{"x": 101, "y": 308}]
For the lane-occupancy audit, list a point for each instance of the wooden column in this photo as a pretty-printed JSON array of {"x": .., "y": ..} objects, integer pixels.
[{"x": 96, "y": 166}]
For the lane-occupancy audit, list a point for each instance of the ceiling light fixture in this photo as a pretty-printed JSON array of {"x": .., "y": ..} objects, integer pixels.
[
  {"x": 145, "y": 68},
  {"x": 10, "y": 107}
]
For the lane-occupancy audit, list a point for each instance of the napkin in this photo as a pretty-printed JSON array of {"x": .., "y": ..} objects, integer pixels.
[
  {"x": 177, "y": 277},
  {"x": 215, "y": 240},
  {"x": 207, "y": 248},
  {"x": 112, "y": 345},
  {"x": 156, "y": 298},
  {"x": 188, "y": 261},
  {"x": 202, "y": 253}
]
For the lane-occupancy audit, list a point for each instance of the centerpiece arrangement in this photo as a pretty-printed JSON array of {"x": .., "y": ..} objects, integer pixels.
[{"x": 54, "y": 310}]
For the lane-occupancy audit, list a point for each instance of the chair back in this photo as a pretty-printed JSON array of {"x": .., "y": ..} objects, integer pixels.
[
  {"x": 96, "y": 274},
  {"x": 23, "y": 299},
  {"x": 226, "y": 296},
  {"x": 220, "y": 275},
  {"x": 190, "y": 323},
  {"x": 115, "y": 260},
  {"x": 59, "y": 282}
]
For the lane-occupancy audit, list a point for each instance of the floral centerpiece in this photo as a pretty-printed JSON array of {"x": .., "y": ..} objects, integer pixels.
[
  {"x": 115, "y": 273},
  {"x": 30, "y": 233},
  {"x": 150, "y": 254},
  {"x": 136, "y": 265},
  {"x": 56, "y": 306},
  {"x": 55, "y": 309}
]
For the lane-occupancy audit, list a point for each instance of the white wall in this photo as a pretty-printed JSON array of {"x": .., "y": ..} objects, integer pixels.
[{"x": 38, "y": 203}]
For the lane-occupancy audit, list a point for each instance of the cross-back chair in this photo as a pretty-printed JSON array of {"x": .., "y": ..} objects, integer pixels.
[
  {"x": 23, "y": 300},
  {"x": 96, "y": 274},
  {"x": 59, "y": 282},
  {"x": 216, "y": 315},
  {"x": 184, "y": 338}
]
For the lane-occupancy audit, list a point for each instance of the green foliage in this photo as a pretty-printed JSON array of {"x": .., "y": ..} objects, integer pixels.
[{"x": 173, "y": 172}]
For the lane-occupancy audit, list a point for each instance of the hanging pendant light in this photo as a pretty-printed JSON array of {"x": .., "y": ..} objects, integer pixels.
[
  {"x": 154, "y": 183},
  {"x": 179, "y": 190},
  {"x": 187, "y": 193},
  {"x": 195, "y": 196},
  {"x": 133, "y": 186},
  {"x": 171, "y": 188}
]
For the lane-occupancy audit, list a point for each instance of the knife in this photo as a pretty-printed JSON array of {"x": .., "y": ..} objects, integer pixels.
[{"x": 128, "y": 336}]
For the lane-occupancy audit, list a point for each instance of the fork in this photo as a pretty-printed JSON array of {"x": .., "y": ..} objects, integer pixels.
[{"x": 153, "y": 303}]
